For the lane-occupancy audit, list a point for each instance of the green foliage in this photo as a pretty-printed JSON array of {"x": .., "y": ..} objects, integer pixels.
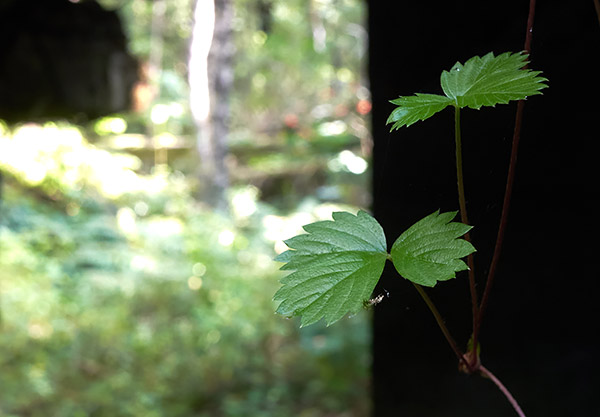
[
  {"x": 430, "y": 251},
  {"x": 491, "y": 80},
  {"x": 119, "y": 296},
  {"x": 412, "y": 109},
  {"x": 283, "y": 68},
  {"x": 337, "y": 264},
  {"x": 481, "y": 81},
  {"x": 145, "y": 303}
]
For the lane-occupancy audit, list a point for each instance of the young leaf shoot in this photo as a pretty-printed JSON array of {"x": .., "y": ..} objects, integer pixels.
[{"x": 481, "y": 81}]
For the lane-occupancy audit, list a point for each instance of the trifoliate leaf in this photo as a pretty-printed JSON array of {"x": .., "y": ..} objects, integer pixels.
[
  {"x": 430, "y": 251},
  {"x": 490, "y": 80},
  {"x": 336, "y": 266},
  {"x": 485, "y": 81},
  {"x": 411, "y": 109}
]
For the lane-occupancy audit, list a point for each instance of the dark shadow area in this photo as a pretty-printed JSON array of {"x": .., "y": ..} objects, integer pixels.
[
  {"x": 539, "y": 334},
  {"x": 61, "y": 59}
]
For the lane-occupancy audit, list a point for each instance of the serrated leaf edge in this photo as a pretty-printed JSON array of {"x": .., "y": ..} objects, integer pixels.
[
  {"x": 290, "y": 256},
  {"x": 454, "y": 100},
  {"x": 442, "y": 219}
]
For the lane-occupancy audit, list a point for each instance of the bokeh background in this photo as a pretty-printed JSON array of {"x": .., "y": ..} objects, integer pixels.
[{"x": 145, "y": 191}]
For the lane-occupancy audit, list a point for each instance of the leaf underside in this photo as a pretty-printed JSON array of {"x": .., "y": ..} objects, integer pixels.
[
  {"x": 481, "y": 81},
  {"x": 430, "y": 251},
  {"x": 335, "y": 265},
  {"x": 411, "y": 109}
]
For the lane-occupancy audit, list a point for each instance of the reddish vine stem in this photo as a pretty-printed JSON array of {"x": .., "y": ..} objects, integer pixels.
[
  {"x": 443, "y": 328},
  {"x": 508, "y": 191},
  {"x": 470, "y": 363},
  {"x": 486, "y": 373}
]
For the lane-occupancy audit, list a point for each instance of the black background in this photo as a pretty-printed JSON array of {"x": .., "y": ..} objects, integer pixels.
[{"x": 540, "y": 330}]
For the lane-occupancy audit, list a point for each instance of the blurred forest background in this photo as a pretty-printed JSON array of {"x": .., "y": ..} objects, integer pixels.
[{"x": 130, "y": 287}]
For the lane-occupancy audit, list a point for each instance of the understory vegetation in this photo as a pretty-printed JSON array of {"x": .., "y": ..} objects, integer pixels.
[{"x": 122, "y": 293}]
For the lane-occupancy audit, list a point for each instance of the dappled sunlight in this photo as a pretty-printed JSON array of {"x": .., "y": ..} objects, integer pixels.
[
  {"x": 110, "y": 125},
  {"x": 143, "y": 263},
  {"x": 161, "y": 113},
  {"x": 226, "y": 238},
  {"x": 337, "y": 127},
  {"x": 126, "y": 220},
  {"x": 194, "y": 283},
  {"x": 164, "y": 227},
  {"x": 244, "y": 202},
  {"x": 124, "y": 290},
  {"x": 154, "y": 272},
  {"x": 59, "y": 153},
  {"x": 347, "y": 160}
]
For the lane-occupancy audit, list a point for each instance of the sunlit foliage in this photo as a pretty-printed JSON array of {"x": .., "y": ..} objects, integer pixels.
[
  {"x": 122, "y": 294},
  {"x": 145, "y": 303}
]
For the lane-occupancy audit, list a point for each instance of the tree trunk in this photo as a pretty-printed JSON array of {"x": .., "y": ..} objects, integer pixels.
[{"x": 211, "y": 79}]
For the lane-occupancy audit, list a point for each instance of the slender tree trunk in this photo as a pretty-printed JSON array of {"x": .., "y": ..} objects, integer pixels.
[
  {"x": 220, "y": 77},
  {"x": 318, "y": 31},
  {"x": 211, "y": 79},
  {"x": 202, "y": 34},
  {"x": 155, "y": 62}
]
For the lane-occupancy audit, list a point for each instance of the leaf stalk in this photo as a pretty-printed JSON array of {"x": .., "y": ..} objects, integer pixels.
[
  {"x": 462, "y": 203},
  {"x": 443, "y": 328}
]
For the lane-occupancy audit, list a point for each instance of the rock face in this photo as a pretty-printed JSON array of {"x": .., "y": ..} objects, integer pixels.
[{"x": 62, "y": 60}]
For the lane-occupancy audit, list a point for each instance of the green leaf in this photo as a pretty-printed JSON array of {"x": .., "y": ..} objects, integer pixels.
[
  {"x": 411, "y": 109},
  {"x": 336, "y": 267},
  {"x": 429, "y": 250},
  {"x": 481, "y": 81},
  {"x": 490, "y": 80}
]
